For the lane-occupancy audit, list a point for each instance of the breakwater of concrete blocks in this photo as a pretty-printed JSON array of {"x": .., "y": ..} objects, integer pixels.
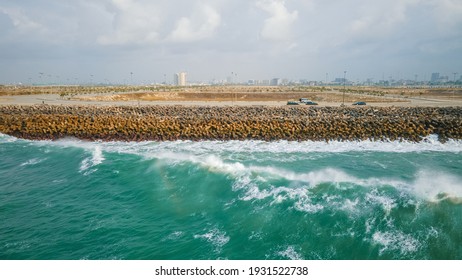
[{"x": 168, "y": 123}]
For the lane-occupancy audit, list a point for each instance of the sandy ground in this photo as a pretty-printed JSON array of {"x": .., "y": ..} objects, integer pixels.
[{"x": 55, "y": 99}]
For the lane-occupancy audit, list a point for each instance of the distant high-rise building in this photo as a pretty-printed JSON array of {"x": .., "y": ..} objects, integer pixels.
[
  {"x": 435, "y": 77},
  {"x": 179, "y": 79},
  {"x": 275, "y": 82}
]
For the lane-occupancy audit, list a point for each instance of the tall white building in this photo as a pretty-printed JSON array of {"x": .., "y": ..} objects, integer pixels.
[{"x": 180, "y": 79}]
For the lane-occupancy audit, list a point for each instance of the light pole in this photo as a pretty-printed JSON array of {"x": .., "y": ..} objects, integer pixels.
[
  {"x": 454, "y": 90},
  {"x": 344, "y": 87}
]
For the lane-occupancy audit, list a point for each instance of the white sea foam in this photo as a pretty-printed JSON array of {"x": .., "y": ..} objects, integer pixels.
[
  {"x": 395, "y": 240},
  {"x": 299, "y": 196},
  {"x": 305, "y": 205},
  {"x": 313, "y": 177},
  {"x": 215, "y": 237},
  {"x": 4, "y": 138},
  {"x": 349, "y": 205},
  {"x": 290, "y": 253},
  {"x": 429, "y": 143},
  {"x": 252, "y": 148},
  {"x": 288, "y": 147},
  {"x": 174, "y": 236},
  {"x": 95, "y": 159},
  {"x": 33, "y": 161},
  {"x": 386, "y": 202}
]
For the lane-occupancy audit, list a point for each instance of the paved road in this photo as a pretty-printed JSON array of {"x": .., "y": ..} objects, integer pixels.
[{"x": 55, "y": 99}]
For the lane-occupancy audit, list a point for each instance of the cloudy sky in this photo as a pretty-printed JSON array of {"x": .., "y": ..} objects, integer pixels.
[{"x": 106, "y": 40}]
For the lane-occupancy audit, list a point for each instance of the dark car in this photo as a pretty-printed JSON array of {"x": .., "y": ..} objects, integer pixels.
[
  {"x": 311, "y": 103},
  {"x": 292, "y": 103},
  {"x": 359, "y": 103}
]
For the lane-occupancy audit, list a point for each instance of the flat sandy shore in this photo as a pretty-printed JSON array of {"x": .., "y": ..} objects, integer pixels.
[{"x": 55, "y": 99}]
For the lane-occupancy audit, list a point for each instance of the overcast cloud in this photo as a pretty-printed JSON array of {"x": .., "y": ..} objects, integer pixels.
[{"x": 105, "y": 40}]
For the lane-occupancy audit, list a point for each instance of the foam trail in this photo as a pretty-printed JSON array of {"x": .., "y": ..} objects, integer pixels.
[
  {"x": 33, "y": 161},
  {"x": 253, "y": 146},
  {"x": 212, "y": 162},
  {"x": 215, "y": 237},
  {"x": 95, "y": 159},
  {"x": 215, "y": 164},
  {"x": 313, "y": 177}
]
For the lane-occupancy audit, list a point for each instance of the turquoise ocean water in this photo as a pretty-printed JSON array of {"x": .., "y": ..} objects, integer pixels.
[{"x": 71, "y": 199}]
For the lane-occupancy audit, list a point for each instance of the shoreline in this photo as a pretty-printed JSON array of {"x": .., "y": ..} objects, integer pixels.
[{"x": 197, "y": 123}]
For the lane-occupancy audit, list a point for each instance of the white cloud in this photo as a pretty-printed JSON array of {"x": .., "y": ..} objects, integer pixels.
[
  {"x": 217, "y": 36},
  {"x": 134, "y": 22},
  {"x": 278, "y": 27},
  {"x": 22, "y": 22},
  {"x": 201, "y": 25},
  {"x": 378, "y": 19},
  {"x": 448, "y": 12}
]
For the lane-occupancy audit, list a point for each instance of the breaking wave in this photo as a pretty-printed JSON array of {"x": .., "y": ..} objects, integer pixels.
[{"x": 242, "y": 199}]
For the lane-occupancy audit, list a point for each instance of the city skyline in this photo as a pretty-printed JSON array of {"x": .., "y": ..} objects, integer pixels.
[
  {"x": 180, "y": 79},
  {"x": 82, "y": 42}
]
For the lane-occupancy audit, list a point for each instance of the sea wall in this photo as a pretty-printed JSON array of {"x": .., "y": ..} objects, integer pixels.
[{"x": 297, "y": 123}]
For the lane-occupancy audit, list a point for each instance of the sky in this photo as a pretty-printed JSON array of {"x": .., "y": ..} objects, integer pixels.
[{"x": 147, "y": 41}]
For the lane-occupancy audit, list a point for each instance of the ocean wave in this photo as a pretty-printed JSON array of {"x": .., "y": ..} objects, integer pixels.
[
  {"x": 94, "y": 149},
  {"x": 427, "y": 185},
  {"x": 436, "y": 186},
  {"x": 221, "y": 157}
]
